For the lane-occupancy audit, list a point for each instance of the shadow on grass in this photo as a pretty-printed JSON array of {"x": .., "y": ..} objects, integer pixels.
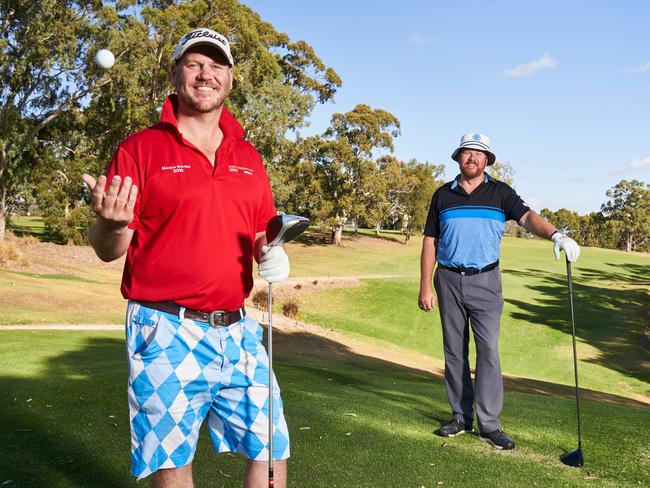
[
  {"x": 69, "y": 427},
  {"x": 610, "y": 319}
]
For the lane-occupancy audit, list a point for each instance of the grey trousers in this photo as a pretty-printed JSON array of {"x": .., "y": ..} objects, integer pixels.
[{"x": 475, "y": 301}]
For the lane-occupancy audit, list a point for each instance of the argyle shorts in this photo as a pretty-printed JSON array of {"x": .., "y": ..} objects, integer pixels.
[{"x": 182, "y": 372}]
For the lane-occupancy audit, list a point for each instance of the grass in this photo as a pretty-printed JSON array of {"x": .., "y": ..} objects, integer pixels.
[
  {"x": 64, "y": 423},
  {"x": 611, "y": 306},
  {"x": 63, "y": 406},
  {"x": 22, "y": 225}
]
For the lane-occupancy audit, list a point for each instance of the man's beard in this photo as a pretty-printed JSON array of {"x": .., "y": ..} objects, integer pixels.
[
  {"x": 471, "y": 171},
  {"x": 202, "y": 106}
]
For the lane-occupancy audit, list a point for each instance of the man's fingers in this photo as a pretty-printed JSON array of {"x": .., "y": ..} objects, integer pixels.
[
  {"x": 114, "y": 187},
  {"x": 133, "y": 194},
  {"x": 427, "y": 304},
  {"x": 89, "y": 181},
  {"x": 123, "y": 194}
]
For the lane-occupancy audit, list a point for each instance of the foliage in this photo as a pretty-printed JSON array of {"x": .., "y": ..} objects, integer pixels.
[
  {"x": 629, "y": 204},
  {"x": 622, "y": 223},
  {"x": 51, "y": 86},
  {"x": 341, "y": 162},
  {"x": 427, "y": 178},
  {"x": 502, "y": 172}
]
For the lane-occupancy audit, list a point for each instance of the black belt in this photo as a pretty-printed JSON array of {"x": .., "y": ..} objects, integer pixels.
[
  {"x": 470, "y": 271},
  {"x": 218, "y": 318}
]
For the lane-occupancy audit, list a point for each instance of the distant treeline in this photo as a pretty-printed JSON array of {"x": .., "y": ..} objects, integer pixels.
[{"x": 622, "y": 223}]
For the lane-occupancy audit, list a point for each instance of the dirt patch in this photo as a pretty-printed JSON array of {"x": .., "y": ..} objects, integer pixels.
[{"x": 295, "y": 287}]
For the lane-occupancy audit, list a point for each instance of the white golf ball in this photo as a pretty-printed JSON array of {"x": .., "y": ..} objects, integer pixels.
[{"x": 105, "y": 58}]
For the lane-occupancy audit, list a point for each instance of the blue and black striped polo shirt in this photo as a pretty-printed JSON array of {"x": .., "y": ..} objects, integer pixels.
[{"x": 469, "y": 228}]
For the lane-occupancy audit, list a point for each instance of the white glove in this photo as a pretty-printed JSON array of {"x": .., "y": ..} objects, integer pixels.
[
  {"x": 563, "y": 241},
  {"x": 274, "y": 264}
]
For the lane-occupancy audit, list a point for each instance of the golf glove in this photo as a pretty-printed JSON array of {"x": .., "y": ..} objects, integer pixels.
[
  {"x": 274, "y": 264},
  {"x": 564, "y": 242}
]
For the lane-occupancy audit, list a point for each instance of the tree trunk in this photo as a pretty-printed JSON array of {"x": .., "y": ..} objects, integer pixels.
[
  {"x": 377, "y": 229},
  {"x": 3, "y": 210},
  {"x": 337, "y": 234},
  {"x": 629, "y": 244},
  {"x": 3, "y": 191}
]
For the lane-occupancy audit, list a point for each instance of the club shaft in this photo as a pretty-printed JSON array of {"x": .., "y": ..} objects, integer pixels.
[
  {"x": 270, "y": 300},
  {"x": 575, "y": 355}
]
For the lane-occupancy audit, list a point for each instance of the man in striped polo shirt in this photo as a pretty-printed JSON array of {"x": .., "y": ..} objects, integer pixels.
[{"x": 462, "y": 236}]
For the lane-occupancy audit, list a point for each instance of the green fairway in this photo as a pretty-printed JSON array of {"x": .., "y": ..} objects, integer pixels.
[
  {"x": 611, "y": 306},
  {"x": 354, "y": 422},
  {"x": 22, "y": 225}
]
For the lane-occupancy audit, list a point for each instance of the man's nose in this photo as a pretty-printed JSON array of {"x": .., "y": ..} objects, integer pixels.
[{"x": 204, "y": 73}]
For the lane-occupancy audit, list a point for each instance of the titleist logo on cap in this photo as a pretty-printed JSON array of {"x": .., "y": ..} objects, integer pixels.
[{"x": 195, "y": 34}]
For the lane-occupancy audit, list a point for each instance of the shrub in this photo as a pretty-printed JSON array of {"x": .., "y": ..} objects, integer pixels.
[
  {"x": 260, "y": 299},
  {"x": 290, "y": 308},
  {"x": 74, "y": 229},
  {"x": 10, "y": 254}
]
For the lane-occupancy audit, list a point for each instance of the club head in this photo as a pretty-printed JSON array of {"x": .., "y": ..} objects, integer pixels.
[
  {"x": 573, "y": 458},
  {"x": 284, "y": 228}
]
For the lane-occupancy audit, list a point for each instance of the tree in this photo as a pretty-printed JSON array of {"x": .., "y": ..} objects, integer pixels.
[
  {"x": 46, "y": 51},
  {"x": 43, "y": 51},
  {"x": 342, "y": 158},
  {"x": 426, "y": 179},
  {"x": 502, "y": 172},
  {"x": 629, "y": 204},
  {"x": 390, "y": 185},
  {"x": 565, "y": 220}
]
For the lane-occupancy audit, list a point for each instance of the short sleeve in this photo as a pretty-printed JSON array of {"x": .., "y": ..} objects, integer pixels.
[
  {"x": 123, "y": 164},
  {"x": 267, "y": 207},
  {"x": 514, "y": 206},
  {"x": 432, "y": 227}
]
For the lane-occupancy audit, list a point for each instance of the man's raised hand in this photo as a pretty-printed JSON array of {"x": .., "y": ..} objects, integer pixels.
[{"x": 114, "y": 206}]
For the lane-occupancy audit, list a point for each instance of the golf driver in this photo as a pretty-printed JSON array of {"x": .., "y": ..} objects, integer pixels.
[
  {"x": 573, "y": 458},
  {"x": 280, "y": 229}
]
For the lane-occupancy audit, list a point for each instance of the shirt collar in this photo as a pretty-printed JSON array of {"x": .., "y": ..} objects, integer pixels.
[
  {"x": 486, "y": 179},
  {"x": 227, "y": 122}
]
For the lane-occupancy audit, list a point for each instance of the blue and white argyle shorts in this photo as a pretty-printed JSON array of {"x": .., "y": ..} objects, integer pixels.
[{"x": 182, "y": 371}]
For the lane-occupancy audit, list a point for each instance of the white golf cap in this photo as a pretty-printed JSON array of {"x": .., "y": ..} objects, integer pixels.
[
  {"x": 474, "y": 140},
  {"x": 206, "y": 37}
]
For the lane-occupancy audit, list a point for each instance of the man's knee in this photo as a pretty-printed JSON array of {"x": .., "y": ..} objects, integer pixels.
[{"x": 173, "y": 477}]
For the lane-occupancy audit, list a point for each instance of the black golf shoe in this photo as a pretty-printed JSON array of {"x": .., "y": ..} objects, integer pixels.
[
  {"x": 453, "y": 428},
  {"x": 498, "y": 439}
]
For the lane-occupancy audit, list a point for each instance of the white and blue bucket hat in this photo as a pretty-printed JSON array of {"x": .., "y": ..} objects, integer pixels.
[{"x": 474, "y": 140}]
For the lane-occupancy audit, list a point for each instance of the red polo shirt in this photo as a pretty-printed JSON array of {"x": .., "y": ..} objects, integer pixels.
[{"x": 194, "y": 224}]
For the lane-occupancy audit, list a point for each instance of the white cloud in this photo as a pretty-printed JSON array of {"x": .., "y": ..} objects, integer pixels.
[
  {"x": 530, "y": 68},
  {"x": 634, "y": 165},
  {"x": 418, "y": 39},
  {"x": 644, "y": 68}
]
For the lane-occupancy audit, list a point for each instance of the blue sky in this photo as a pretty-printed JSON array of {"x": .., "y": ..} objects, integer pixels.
[{"x": 561, "y": 87}]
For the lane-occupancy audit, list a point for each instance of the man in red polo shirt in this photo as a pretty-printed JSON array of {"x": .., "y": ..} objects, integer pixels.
[{"x": 188, "y": 200}]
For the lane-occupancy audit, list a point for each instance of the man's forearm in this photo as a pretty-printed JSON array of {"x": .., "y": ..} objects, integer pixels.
[
  {"x": 109, "y": 242},
  {"x": 536, "y": 224},
  {"x": 427, "y": 261}
]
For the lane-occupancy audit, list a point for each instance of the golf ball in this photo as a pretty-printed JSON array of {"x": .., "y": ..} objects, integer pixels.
[{"x": 105, "y": 58}]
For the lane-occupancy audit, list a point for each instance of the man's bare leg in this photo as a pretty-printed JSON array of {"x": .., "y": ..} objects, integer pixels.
[
  {"x": 257, "y": 474},
  {"x": 173, "y": 478}
]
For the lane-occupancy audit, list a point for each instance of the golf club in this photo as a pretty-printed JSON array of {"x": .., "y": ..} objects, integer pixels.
[
  {"x": 573, "y": 458},
  {"x": 280, "y": 229}
]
